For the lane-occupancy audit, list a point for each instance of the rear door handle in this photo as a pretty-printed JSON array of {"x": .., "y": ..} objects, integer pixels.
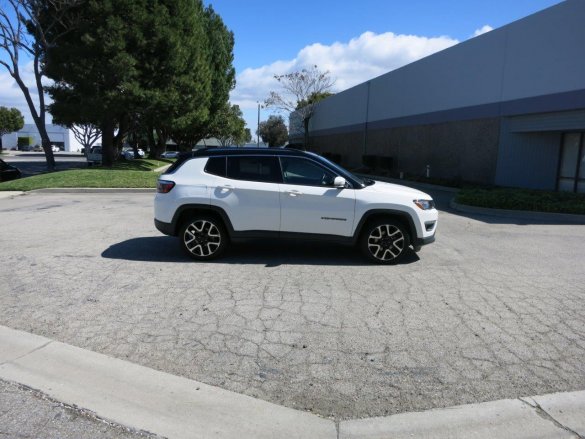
[{"x": 294, "y": 193}]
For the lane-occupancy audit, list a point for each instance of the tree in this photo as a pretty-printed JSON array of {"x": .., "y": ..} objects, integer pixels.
[
  {"x": 95, "y": 69},
  {"x": 86, "y": 134},
  {"x": 273, "y": 131},
  {"x": 162, "y": 67},
  {"x": 189, "y": 128},
  {"x": 231, "y": 127},
  {"x": 11, "y": 120},
  {"x": 247, "y": 137},
  {"x": 177, "y": 75},
  {"x": 301, "y": 91},
  {"x": 22, "y": 34}
]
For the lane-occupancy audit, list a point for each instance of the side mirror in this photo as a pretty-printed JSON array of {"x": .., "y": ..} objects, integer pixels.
[{"x": 339, "y": 182}]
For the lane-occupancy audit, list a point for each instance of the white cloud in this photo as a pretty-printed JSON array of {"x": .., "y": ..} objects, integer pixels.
[
  {"x": 350, "y": 63},
  {"x": 482, "y": 30},
  {"x": 11, "y": 96}
]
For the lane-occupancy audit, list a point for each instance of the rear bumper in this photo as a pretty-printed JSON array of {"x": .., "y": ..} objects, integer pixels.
[{"x": 165, "y": 228}]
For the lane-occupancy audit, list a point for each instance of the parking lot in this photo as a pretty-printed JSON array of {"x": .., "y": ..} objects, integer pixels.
[
  {"x": 33, "y": 163},
  {"x": 494, "y": 309}
]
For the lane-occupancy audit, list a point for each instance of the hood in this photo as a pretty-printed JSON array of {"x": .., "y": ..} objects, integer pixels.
[{"x": 383, "y": 187}]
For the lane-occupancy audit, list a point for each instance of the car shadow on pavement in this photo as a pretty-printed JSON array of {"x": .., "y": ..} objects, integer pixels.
[{"x": 270, "y": 254}]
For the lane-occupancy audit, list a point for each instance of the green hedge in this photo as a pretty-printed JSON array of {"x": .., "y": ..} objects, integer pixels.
[{"x": 523, "y": 199}]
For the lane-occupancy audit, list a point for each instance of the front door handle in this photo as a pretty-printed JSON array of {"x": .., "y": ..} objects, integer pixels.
[{"x": 294, "y": 193}]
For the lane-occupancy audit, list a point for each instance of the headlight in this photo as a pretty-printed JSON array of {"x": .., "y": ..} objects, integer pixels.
[{"x": 424, "y": 204}]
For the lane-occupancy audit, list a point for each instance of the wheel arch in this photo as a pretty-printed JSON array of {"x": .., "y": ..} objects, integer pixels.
[
  {"x": 187, "y": 210},
  {"x": 375, "y": 214}
]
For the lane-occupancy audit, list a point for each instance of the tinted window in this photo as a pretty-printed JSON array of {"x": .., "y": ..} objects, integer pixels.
[
  {"x": 265, "y": 169},
  {"x": 305, "y": 172},
  {"x": 340, "y": 171},
  {"x": 216, "y": 166}
]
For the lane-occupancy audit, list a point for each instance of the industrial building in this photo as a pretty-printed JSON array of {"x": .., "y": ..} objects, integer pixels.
[
  {"x": 504, "y": 108},
  {"x": 60, "y": 136}
]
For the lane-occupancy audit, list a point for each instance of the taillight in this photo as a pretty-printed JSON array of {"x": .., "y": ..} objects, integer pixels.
[{"x": 164, "y": 186}]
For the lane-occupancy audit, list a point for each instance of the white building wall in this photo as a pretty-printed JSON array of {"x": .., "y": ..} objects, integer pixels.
[
  {"x": 74, "y": 144},
  {"x": 56, "y": 134}
]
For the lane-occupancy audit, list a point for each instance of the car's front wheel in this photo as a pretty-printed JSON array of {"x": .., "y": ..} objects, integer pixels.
[
  {"x": 385, "y": 241},
  {"x": 203, "y": 237}
]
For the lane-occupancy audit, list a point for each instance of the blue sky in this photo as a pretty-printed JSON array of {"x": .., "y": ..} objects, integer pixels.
[
  {"x": 354, "y": 40},
  {"x": 275, "y": 37},
  {"x": 269, "y": 30}
]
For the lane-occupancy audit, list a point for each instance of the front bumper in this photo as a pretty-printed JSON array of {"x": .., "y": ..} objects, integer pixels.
[{"x": 419, "y": 242}]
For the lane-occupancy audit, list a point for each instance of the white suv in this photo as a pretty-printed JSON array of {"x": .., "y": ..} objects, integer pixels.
[{"x": 215, "y": 196}]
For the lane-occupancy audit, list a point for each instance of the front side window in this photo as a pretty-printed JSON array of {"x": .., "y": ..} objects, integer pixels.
[
  {"x": 305, "y": 172},
  {"x": 263, "y": 169}
]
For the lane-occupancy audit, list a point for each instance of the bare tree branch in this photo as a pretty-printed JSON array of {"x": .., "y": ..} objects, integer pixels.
[
  {"x": 301, "y": 91},
  {"x": 86, "y": 134},
  {"x": 15, "y": 38}
]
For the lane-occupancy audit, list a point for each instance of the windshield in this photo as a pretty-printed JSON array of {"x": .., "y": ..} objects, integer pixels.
[{"x": 344, "y": 172}]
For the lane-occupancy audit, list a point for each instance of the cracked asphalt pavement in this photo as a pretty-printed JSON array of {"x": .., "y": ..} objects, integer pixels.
[{"x": 494, "y": 309}]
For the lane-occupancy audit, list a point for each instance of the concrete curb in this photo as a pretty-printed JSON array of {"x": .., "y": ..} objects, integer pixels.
[
  {"x": 153, "y": 401},
  {"x": 10, "y": 194},
  {"x": 146, "y": 399},
  {"x": 507, "y": 418},
  {"x": 519, "y": 214}
]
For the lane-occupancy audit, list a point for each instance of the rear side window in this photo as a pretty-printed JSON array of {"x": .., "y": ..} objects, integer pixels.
[
  {"x": 216, "y": 166},
  {"x": 264, "y": 169}
]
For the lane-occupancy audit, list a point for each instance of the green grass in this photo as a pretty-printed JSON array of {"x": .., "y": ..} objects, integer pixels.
[
  {"x": 142, "y": 164},
  {"x": 124, "y": 174},
  {"x": 523, "y": 199}
]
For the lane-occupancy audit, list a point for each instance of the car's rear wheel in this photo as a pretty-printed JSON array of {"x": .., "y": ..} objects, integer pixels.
[
  {"x": 203, "y": 237},
  {"x": 385, "y": 241}
]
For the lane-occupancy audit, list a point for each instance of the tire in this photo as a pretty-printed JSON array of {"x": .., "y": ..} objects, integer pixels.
[
  {"x": 385, "y": 241},
  {"x": 203, "y": 237}
]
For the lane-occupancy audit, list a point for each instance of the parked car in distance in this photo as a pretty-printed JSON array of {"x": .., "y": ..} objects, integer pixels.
[
  {"x": 55, "y": 148},
  {"x": 8, "y": 172},
  {"x": 170, "y": 154},
  {"x": 95, "y": 155},
  {"x": 128, "y": 154},
  {"x": 215, "y": 196},
  {"x": 38, "y": 148}
]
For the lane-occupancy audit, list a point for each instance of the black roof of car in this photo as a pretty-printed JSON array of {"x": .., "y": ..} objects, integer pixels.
[
  {"x": 208, "y": 152},
  {"x": 234, "y": 151}
]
